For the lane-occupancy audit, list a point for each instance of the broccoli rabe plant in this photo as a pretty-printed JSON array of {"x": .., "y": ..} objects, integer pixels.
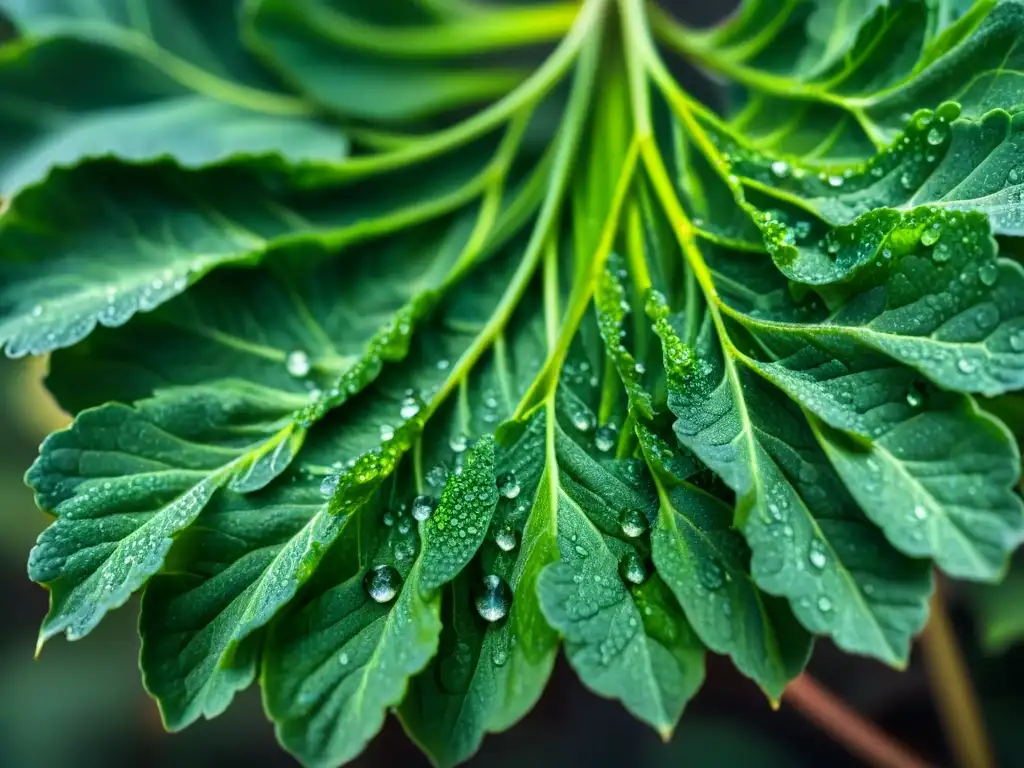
[{"x": 409, "y": 341}]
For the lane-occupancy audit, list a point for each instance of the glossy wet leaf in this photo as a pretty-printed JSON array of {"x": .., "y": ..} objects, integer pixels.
[
  {"x": 706, "y": 565},
  {"x": 408, "y": 342}
]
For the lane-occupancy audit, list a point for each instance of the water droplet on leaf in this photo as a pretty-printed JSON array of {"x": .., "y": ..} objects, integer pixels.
[
  {"x": 606, "y": 437},
  {"x": 297, "y": 363},
  {"x": 423, "y": 507},
  {"x": 988, "y": 273},
  {"x": 508, "y": 485},
  {"x": 495, "y": 600},
  {"x": 329, "y": 485},
  {"x": 382, "y": 583},
  {"x": 505, "y": 538},
  {"x": 632, "y": 569},
  {"x": 633, "y": 522},
  {"x": 817, "y": 554}
]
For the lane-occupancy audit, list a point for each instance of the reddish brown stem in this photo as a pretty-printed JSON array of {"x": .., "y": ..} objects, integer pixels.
[{"x": 858, "y": 735}]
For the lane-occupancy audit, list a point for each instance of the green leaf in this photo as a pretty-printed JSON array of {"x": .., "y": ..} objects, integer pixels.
[
  {"x": 161, "y": 79},
  {"x": 132, "y": 246},
  {"x": 809, "y": 541},
  {"x": 337, "y": 664},
  {"x": 931, "y": 470},
  {"x": 555, "y": 351},
  {"x": 626, "y": 642},
  {"x": 231, "y": 409},
  {"x": 706, "y": 565},
  {"x": 487, "y": 675},
  {"x": 454, "y": 532},
  {"x": 350, "y": 455},
  {"x": 625, "y": 635}
]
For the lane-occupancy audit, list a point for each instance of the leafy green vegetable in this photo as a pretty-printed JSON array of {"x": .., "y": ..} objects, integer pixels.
[{"x": 407, "y": 341}]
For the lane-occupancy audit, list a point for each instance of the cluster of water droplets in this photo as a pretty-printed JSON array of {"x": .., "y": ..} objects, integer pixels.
[
  {"x": 678, "y": 356},
  {"x": 613, "y": 308},
  {"x": 46, "y": 325},
  {"x": 885, "y": 179}
]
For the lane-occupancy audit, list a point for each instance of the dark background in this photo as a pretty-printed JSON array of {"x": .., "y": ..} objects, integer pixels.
[{"x": 82, "y": 704}]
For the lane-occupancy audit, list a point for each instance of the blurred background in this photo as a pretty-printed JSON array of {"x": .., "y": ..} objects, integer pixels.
[{"x": 82, "y": 704}]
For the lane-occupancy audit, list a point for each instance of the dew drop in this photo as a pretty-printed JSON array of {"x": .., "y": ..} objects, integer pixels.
[
  {"x": 606, "y": 437},
  {"x": 964, "y": 365},
  {"x": 817, "y": 554},
  {"x": 780, "y": 168},
  {"x": 824, "y": 604},
  {"x": 343, "y": 658},
  {"x": 495, "y": 600},
  {"x": 386, "y": 432},
  {"x": 37, "y": 310},
  {"x": 382, "y": 583},
  {"x": 583, "y": 420},
  {"x": 930, "y": 236},
  {"x": 632, "y": 569},
  {"x": 711, "y": 576},
  {"x": 458, "y": 443},
  {"x": 988, "y": 273},
  {"x": 633, "y": 522},
  {"x": 508, "y": 485},
  {"x": 505, "y": 538},
  {"x": 423, "y": 507},
  {"x": 936, "y": 135},
  {"x": 1013, "y": 176},
  {"x": 1017, "y": 341},
  {"x": 920, "y": 512},
  {"x": 410, "y": 407},
  {"x": 329, "y": 485},
  {"x": 835, "y": 181},
  {"x": 499, "y": 657},
  {"x": 297, "y": 363}
]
